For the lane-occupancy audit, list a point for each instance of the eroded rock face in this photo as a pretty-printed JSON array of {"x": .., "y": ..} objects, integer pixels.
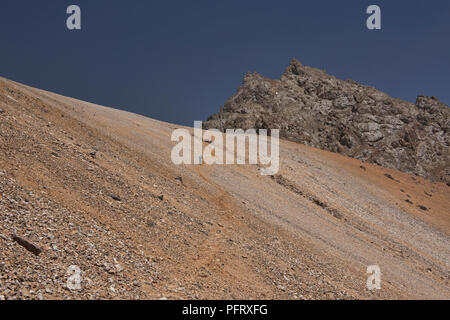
[{"x": 311, "y": 107}]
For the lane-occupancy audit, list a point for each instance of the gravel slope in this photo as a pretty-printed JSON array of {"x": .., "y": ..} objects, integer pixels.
[{"x": 94, "y": 187}]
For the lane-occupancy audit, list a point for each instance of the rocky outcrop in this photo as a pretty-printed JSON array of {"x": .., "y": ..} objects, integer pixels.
[{"x": 311, "y": 107}]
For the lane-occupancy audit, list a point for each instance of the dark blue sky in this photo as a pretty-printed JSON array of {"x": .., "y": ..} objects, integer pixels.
[{"x": 179, "y": 61}]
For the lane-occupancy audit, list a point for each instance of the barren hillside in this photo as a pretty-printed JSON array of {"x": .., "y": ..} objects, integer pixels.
[{"x": 94, "y": 187}]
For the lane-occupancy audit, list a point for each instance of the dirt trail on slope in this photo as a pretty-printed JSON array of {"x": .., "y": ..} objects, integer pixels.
[{"x": 95, "y": 187}]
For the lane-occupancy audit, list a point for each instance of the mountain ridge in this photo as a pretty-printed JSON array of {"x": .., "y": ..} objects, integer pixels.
[{"x": 314, "y": 108}]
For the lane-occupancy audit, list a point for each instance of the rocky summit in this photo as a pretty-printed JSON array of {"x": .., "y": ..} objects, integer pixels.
[{"x": 316, "y": 109}]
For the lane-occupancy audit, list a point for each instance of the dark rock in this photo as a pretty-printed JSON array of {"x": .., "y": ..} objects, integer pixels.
[
  {"x": 179, "y": 178},
  {"x": 421, "y": 207},
  {"x": 93, "y": 154},
  {"x": 115, "y": 197},
  {"x": 27, "y": 244},
  {"x": 387, "y": 175}
]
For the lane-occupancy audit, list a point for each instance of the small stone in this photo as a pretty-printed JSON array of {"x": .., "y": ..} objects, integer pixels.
[
  {"x": 108, "y": 267},
  {"x": 27, "y": 244},
  {"x": 117, "y": 266},
  {"x": 387, "y": 175},
  {"x": 115, "y": 197}
]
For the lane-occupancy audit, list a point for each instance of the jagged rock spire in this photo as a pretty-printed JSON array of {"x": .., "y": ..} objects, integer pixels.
[{"x": 314, "y": 108}]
